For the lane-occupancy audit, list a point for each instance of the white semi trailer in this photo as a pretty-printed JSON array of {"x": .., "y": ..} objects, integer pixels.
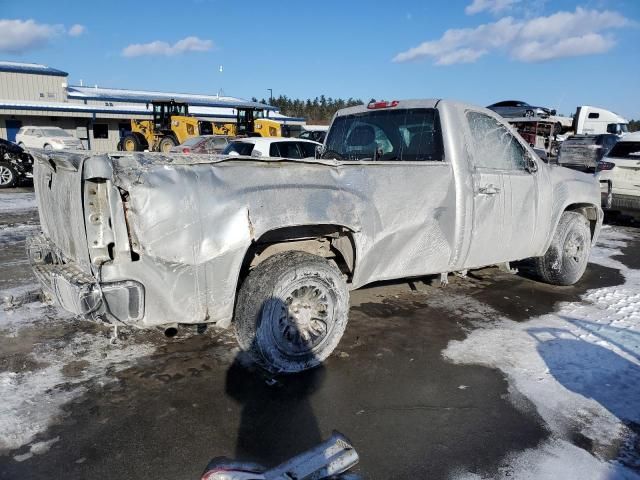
[{"x": 594, "y": 120}]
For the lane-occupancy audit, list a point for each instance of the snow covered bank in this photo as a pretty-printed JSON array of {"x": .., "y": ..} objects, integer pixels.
[{"x": 580, "y": 366}]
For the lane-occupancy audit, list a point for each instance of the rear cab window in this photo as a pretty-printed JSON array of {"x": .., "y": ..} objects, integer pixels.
[{"x": 409, "y": 134}]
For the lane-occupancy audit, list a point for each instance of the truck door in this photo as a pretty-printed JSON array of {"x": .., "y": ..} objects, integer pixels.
[
  {"x": 488, "y": 192},
  {"x": 505, "y": 194}
]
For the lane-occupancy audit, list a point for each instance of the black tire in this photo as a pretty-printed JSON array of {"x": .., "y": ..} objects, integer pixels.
[
  {"x": 130, "y": 143},
  {"x": 566, "y": 258},
  {"x": 166, "y": 144},
  {"x": 291, "y": 312},
  {"x": 8, "y": 175}
]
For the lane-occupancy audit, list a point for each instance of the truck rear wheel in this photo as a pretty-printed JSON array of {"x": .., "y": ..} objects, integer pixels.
[
  {"x": 291, "y": 311},
  {"x": 566, "y": 258},
  {"x": 166, "y": 144}
]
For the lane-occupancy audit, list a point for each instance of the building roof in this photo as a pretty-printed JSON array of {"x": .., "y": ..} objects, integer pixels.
[
  {"x": 224, "y": 112},
  {"x": 146, "y": 96},
  {"x": 20, "y": 67}
]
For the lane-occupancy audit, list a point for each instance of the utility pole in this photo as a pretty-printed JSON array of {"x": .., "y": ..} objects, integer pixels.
[{"x": 270, "y": 96}]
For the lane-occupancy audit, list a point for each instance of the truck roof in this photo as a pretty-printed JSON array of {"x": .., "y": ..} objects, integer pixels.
[{"x": 412, "y": 103}]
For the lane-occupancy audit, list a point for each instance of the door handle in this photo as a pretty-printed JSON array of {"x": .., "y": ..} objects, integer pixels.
[{"x": 489, "y": 190}]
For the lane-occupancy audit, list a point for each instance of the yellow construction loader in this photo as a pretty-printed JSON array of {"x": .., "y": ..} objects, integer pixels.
[
  {"x": 251, "y": 122},
  {"x": 171, "y": 126}
]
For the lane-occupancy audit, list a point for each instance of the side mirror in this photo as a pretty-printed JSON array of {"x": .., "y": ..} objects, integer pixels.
[{"x": 530, "y": 164}]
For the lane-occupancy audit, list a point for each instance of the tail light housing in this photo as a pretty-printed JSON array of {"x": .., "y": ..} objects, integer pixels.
[
  {"x": 186, "y": 150},
  {"x": 605, "y": 166}
]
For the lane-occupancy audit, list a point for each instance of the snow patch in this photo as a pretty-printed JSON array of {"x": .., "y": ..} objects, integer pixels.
[
  {"x": 17, "y": 233},
  {"x": 37, "y": 448},
  {"x": 33, "y": 400},
  {"x": 17, "y": 201},
  {"x": 554, "y": 460},
  {"x": 580, "y": 366}
]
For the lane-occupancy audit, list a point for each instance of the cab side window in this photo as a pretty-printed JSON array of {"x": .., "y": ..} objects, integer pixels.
[{"x": 494, "y": 146}]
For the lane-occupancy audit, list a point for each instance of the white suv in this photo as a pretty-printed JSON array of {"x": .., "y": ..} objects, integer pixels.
[
  {"x": 625, "y": 175},
  {"x": 278, "y": 147},
  {"x": 49, "y": 138}
]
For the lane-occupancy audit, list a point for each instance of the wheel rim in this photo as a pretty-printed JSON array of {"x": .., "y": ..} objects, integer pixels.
[
  {"x": 6, "y": 177},
  {"x": 47, "y": 147},
  {"x": 303, "y": 322},
  {"x": 165, "y": 146},
  {"x": 528, "y": 113},
  {"x": 129, "y": 145},
  {"x": 575, "y": 248}
]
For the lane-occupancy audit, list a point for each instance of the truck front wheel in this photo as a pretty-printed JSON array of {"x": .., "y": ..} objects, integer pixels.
[
  {"x": 291, "y": 311},
  {"x": 566, "y": 258}
]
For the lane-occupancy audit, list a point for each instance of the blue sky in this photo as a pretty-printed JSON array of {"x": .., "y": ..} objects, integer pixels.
[{"x": 555, "y": 53}]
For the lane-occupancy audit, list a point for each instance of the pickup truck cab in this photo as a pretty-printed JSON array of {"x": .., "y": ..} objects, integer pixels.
[{"x": 273, "y": 246}]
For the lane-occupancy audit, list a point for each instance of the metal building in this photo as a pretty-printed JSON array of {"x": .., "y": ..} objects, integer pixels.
[{"x": 37, "y": 95}]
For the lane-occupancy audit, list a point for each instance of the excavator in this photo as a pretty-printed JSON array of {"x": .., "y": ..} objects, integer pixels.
[
  {"x": 171, "y": 126},
  {"x": 251, "y": 122}
]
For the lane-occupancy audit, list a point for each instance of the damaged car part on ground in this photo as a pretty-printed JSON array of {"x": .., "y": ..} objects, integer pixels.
[
  {"x": 329, "y": 460},
  {"x": 402, "y": 189}
]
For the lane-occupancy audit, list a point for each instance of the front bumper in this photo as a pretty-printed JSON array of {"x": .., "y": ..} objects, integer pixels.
[{"x": 81, "y": 293}]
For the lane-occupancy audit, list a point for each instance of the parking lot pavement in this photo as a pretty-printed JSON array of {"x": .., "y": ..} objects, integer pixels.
[{"x": 493, "y": 376}]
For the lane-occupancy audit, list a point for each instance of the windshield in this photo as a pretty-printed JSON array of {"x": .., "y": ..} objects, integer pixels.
[
  {"x": 54, "y": 132},
  {"x": 239, "y": 148},
  {"x": 385, "y": 135},
  {"x": 625, "y": 150}
]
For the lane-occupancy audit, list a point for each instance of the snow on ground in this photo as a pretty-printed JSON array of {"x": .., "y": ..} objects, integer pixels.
[
  {"x": 17, "y": 233},
  {"x": 580, "y": 366},
  {"x": 17, "y": 201},
  {"x": 32, "y": 399}
]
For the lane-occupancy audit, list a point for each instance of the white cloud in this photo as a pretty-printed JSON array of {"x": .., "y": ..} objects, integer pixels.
[
  {"x": 589, "y": 44},
  {"x": 77, "y": 30},
  {"x": 20, "y": 36},
  {"x": 493, "y": 6},
  {"x": 563, "y": 34},
  {"x": 464, "y": 55},
  {"x": 188, "y": 44}
]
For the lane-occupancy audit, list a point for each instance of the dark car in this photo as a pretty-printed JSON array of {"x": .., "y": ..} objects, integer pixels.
[
  {"x": 315, "y": 135},
  {"x": 516, "y": 108},
  {"x": 203, "y": 144},
  {"x": 15, "y": 164}
]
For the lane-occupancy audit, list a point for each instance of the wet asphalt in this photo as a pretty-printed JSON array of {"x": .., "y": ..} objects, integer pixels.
[{"x": 409, "y": 412}]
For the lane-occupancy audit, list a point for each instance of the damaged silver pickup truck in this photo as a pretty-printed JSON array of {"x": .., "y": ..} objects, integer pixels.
[{"x": 273, "y": 246}]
